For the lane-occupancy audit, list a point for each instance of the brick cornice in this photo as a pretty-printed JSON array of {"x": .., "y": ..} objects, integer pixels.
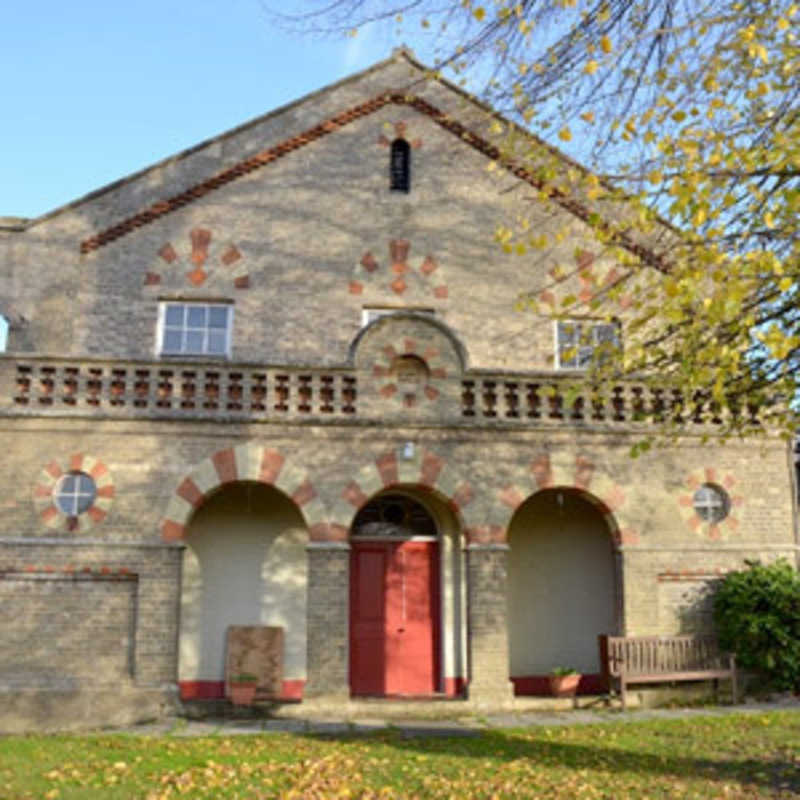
[{"x": 265, "y": 157}]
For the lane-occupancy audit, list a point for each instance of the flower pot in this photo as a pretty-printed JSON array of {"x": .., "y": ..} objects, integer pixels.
[
  {"x": 243, "y": 694},
  {"x": 565, "y": 685}
]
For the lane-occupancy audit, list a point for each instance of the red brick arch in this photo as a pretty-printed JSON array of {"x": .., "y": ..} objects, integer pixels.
[
  {"x": 399, "y": 467},
  {"x": 570, "y": 471},
  {"x": 247, "y": 462}
]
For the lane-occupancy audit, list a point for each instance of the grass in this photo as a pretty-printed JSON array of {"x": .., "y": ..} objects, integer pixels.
[{"x": 736, "y": 756}]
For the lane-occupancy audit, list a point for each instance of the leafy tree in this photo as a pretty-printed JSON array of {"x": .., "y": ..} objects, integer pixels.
[
  {"x": 687, "y": 116},
  {"x": 757, "y": 615}
]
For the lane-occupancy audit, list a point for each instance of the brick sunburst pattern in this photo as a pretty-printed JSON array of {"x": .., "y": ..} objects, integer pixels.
[
  {"x": 400, "y": 129},
  {"x": 206, "y": 259},
  {"x": 716, "y": 531},
  {"x": 577, "y": 471},
  {"x": 247, "y": 462},
  {"x": 43, "y": 494},
  {"x": 384, "y": 372},
  {"x": 420, "y": 276},
  {"x": 425, "y": 470},
  {"x": 591, "y": 280}
]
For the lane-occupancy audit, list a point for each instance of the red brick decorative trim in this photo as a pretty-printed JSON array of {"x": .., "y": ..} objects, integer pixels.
[
  {"x": 247, "y": 462},
  {"x": 205, "y": 260},
  {"x": 579, "y": 472},
  {"x": 265, "y": 157},
  {"x": 43, "y": 494},
  {"x": 714, "y": 531},
  {"x": 419, "y": 468},
  {"x": 400, "y": 132},
  {"x": 419, "y": 277}
]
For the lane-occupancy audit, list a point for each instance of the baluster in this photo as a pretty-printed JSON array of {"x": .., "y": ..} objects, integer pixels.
[
  {"x": 326, "y": 394},
  {"x": 349, "y": 394},
  {"x": 234, "y": 391},
  {"x": 70, "y": 385},
  {"x": 164, "y": 388},
  {"x": 117, "y": 387},
  {"x": 512, "y": 400},
  {"x": 211, "y": 391},
  {"x": 555, "y": 401},
  {"x": 141, "y": 388},
  {"x": 577, "y": 408},
  {"x": 676, "y": 406},
  {"x": 304, "y": 394},
  {"x": 46, "y": 384},
  {"x": 618, "y": 403},
  {"x": 598, "y": 404},
  {"x": 281, "y": 393},
  {"x": 533, "y": 400},
  {"x": 188, "y": 389},
  {"x": 468, "y": 398},
  {"x": 698, "y": 407},
  {"x": 258, "y": 391},
  {"x": 23, "y": 385},
  {"x": 489, "y": 396},
  {"x": 94, "y": 386},
  {"x": 658, "y": 405},
  {"x": 639, "y": 412}
]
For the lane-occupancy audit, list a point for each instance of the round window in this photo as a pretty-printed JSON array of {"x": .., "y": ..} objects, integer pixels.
[
  {"x": 74, "y": 493},
  {"x": 711, "y": 503}
]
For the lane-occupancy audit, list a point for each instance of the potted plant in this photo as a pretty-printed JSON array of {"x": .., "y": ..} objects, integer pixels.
[
  {"x": 242, "y": 688},
  {"x": 564, "y": 681}
]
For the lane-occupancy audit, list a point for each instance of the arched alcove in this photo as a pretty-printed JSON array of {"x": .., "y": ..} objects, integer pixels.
[
  {"x": 562, "y": 587},
  {"x": 244, "y": 564}
]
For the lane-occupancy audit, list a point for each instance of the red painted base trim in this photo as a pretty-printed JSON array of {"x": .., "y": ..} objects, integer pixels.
[
  {"x": 539, "y": 685},
  {"x": 454, "y": 687},
  {"x": 215, "y": 690}
]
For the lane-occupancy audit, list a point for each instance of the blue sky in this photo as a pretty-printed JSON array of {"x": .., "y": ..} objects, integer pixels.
[{"x": 93, "y": 91}]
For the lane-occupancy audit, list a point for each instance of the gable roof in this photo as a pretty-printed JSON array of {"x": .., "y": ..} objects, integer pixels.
[{"x": 400, "y": 96}]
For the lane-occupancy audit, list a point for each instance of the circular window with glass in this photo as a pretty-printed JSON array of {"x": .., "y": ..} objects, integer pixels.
[
  {"x": 711, "y": 503},
  {"x": 394, "y": 515},
  {"x": 74, "y": 493}
]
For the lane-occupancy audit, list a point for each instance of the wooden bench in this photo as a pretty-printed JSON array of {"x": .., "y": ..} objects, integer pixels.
[{"x": 658, "y": 659}]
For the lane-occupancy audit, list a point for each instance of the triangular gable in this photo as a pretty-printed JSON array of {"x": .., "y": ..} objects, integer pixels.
[{"x": 338, "y": 121}]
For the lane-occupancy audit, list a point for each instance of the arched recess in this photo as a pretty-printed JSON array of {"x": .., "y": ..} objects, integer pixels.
[
  {"x": 564, "y": 587},
  {"x": 244, "y": 566},
  {"x": 246, "y": 462},
  {"x": 407, "y": 595}
]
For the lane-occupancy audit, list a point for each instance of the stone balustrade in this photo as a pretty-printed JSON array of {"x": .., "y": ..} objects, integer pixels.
[{"x": 40, "y": 385}]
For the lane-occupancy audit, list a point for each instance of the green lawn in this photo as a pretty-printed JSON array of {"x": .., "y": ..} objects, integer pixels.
[{"x": 741, "y": 755}]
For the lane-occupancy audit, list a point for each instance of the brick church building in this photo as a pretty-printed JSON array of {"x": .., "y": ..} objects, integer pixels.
[{"x": 271, "y": 395}]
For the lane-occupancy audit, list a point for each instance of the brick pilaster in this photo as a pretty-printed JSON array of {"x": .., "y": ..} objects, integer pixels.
[
  {"x": 328, "y": 620},
  {"x": 487, "y": 574}
]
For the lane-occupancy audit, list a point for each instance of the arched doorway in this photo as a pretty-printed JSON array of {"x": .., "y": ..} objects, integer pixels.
[
  {"x": 244, "y": 565},
  {"x": 395, "y": 598},
  {"x": 563, "y": 588}
]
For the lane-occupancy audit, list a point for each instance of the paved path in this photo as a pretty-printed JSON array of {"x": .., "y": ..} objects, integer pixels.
[{"x": 464, "y": 726}]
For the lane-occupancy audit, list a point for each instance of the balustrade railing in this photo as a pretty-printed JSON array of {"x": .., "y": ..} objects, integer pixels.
[
  {"x": 40, "y": 385},
  {"x": 563, "y": 399},
  {"x": 184, "y": 389}
]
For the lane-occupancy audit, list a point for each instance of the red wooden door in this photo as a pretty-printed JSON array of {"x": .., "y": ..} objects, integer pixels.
[{"x": 394, "y": 622}]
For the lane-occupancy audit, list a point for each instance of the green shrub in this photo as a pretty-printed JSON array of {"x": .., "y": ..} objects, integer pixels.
[{"x": 757, "y": 615}]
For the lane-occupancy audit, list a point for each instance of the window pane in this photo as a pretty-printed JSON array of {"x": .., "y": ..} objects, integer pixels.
[
  {"x": 194, "y": 342},
  {"x": 196, "y": 318},
  {"x": 174, "y": 315},
  {"x": 217, "y": 317},
  {"x": 67, "y": 485},
  {"x": 172, "y": 341},
  {"x": 216, "y": 342}
]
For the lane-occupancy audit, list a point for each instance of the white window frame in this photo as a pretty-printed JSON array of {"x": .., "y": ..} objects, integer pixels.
[
  {"x": 371, "y": 313},
  {"x": 162, "y": 326},
  {"x": 595, "y": 325}
]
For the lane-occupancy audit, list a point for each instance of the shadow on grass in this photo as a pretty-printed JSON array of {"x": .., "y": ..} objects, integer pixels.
[{"x": 771, "y": 772}]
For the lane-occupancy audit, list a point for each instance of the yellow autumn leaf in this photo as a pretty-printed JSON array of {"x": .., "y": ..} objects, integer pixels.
[
  {"x": 786, "y": 284},
  {"x": 605, "y": 44},
  {"x": 591, "y": 67},
  {"x": 565, "y": 134},
  {"x": 479, "y": 13},
  {"x": 769, "y": 220},
  {"x": 588, "y": 116}
]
